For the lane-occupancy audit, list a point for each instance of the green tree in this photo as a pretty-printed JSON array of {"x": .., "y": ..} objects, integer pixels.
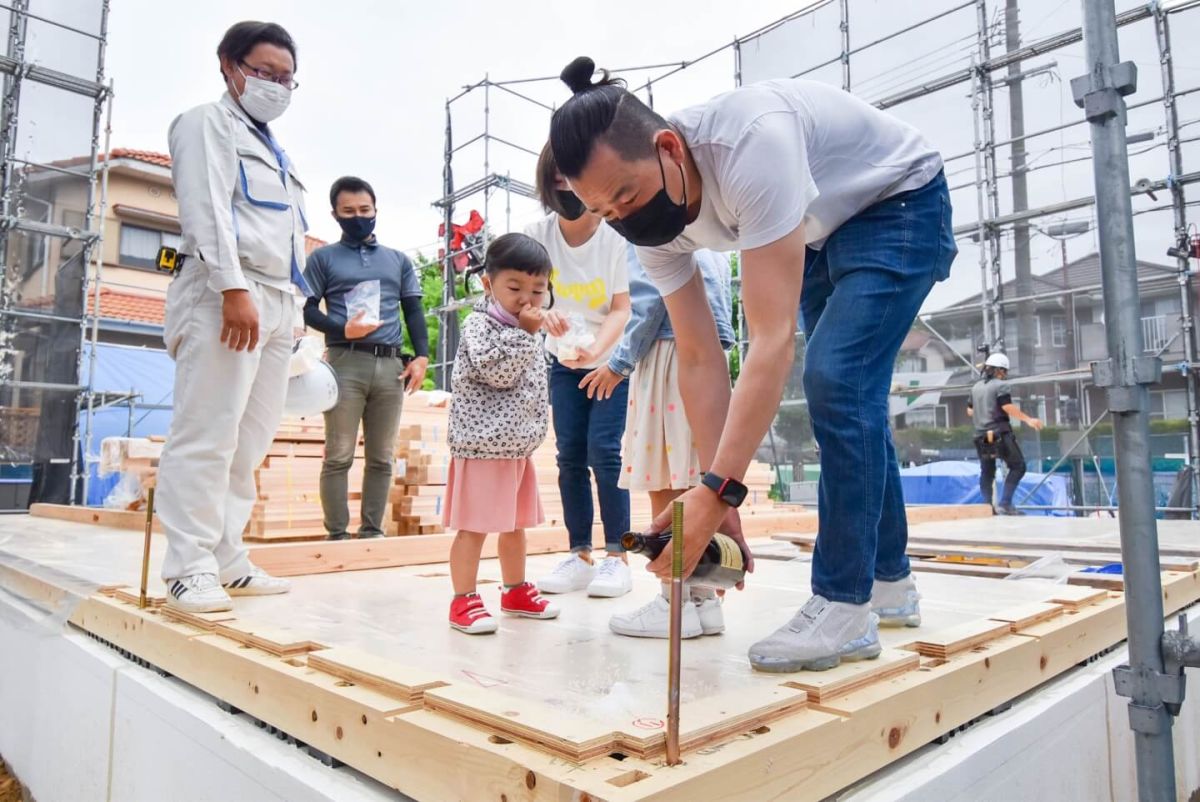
[{"x": 429, "y": 271}]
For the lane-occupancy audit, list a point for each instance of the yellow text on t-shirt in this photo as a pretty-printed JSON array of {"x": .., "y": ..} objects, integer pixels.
[{"x": 594, "y": 293}]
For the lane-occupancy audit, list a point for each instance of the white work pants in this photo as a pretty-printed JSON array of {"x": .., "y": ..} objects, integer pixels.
[{"x": 226, "y": 412}]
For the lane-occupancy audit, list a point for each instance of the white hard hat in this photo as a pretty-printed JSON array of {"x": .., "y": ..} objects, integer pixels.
[
  {"x": 312, "y": 392},
  {"x": 996, "y": 360}
]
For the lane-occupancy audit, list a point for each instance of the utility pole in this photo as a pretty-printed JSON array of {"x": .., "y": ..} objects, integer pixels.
[
  {"x": 1154, "y": 679},
  {"x": 1026, "y": 322}
]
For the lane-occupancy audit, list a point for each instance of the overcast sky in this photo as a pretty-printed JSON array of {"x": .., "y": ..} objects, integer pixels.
[{"x": 375, "y": 76}]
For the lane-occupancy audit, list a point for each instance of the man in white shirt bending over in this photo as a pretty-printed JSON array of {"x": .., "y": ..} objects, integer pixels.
[{"x": 819, "y": 191}]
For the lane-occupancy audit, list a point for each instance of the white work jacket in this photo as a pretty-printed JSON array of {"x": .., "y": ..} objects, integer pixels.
[{"x": 241, "y": 214}]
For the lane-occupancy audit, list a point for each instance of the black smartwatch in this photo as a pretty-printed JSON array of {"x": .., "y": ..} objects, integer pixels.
[{"x": 731, "y": 491}]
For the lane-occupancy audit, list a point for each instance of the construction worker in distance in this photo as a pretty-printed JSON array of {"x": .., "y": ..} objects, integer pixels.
[{"x": 993, "y": 409}]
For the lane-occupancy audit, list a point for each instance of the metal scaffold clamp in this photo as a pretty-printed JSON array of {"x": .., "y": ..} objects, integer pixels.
[
  {"x": 1180, "y": 651},
  {"x": 1099, "y": 92},
  {"x": 1126, "y": 387}
]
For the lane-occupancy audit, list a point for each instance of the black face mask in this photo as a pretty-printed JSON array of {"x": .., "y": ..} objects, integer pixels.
[
  {"x": 571, "y": 206},
  {"x": 357, "y": 229},
  {"x": 659, "y": 221}
]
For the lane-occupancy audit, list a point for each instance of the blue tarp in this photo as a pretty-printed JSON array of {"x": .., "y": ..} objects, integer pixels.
[
  {"x": 121, "y": 369},
  {"x": 953, "y": 482}
]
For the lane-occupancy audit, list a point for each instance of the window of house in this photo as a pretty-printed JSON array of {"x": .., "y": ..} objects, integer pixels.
[
  {"x": 1156, "y": 405},
  {"x": 1174, "y": 404},
  {"x": 1058, "y": 331},
  {"x": 139, "y": 246}
]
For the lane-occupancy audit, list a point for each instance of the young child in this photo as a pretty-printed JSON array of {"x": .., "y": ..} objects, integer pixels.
[
  {"x": 659, "y": 456},
  {"x": 498, "y": 417}
]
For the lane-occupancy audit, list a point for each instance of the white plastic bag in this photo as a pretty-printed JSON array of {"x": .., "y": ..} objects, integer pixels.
[
  {"x": 1052, "y": 568},
  {"x": 126, "y": 494},
  {"x": 577, "y": 338},
  {"x": 364, "y": 299}
]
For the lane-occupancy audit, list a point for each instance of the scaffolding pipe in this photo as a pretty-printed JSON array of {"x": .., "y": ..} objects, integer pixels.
[
  {"x": 980, "y": 199},
  {"x": 844, "y": 26},
  {"x": 8, "y": 144},
  {"x": 993, "y": 286},
  {"x": 82, "y": 445},
  {"x": 1126, "y": 376},
  {"x": 1162, "y": 33},
  {"x": 446, "y": 331}
]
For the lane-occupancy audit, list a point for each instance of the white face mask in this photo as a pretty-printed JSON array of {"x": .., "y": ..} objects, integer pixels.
[{"x": 264, "y": 100}]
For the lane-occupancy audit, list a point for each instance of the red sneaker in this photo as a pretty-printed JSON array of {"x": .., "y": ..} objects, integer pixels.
[
  {"x": 525, "y": 601},
  {"x": 467, "y": 614}
]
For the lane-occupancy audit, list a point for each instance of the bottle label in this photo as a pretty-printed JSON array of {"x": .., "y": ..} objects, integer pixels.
[{"x": 730, "y": 555}]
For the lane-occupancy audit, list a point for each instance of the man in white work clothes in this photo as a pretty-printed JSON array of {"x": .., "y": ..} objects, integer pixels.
[{"x": 230, "y": 317}]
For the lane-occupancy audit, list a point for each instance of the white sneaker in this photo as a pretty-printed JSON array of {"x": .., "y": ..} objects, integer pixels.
[
  {"x": 712, "y": 615},
  {"x": 573, "y": 573},
  {"x": 653, "y": 620},
  {"x": 199, "y": 593},
  {"x": 258, "y": 583},
  {"x": 612, "y": 579},
  {"x": 819, "y": 637},
  {"x": 897, "y": 603}
]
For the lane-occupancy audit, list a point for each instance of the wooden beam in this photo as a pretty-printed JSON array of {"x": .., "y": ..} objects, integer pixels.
[{"x": 809, "y": 751}]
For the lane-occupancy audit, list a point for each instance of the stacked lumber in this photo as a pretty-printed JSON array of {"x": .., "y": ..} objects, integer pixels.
[
  {"x": 422, "y": 466},
  {"x": 289, "y": 485},
  {"x": 423, "y": 456},
  {"x": 288, "y": 506}
]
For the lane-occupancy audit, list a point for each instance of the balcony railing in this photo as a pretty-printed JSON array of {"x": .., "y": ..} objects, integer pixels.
[{"x": 1154, "y": 333}]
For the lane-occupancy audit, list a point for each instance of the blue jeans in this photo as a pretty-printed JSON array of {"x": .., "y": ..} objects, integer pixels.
[
  {"x": 588, "y": 434},
  {"x": 862, "y": 291}
]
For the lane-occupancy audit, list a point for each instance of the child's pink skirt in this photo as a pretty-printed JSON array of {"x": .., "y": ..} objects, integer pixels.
[{"x": 492, "y": 495}]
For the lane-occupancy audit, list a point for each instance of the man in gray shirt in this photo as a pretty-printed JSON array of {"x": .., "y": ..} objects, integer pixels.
[
  {"x": 993, "y": 408},
  {"x": 364, "y": 286}
]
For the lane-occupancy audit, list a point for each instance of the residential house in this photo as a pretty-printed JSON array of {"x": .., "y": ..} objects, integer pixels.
[
  {"x": 1068, "y": 333},
  {"x": 141, "y": 215}
]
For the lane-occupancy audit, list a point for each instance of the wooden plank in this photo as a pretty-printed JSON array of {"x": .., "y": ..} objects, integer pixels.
[
  {"x": 810, "y": 752},
  {"x": 363, "y": 668},
  {"x": 961, "y": 638},
  {"x": 1047, "y": 544},
  {"x": 918, "y": 548},
  {"x": 279, "y": 641},
  {"x": 116, "y": 519},
  {"x": 849, "y": 677},
  {"x": 1024, "y": 616}
]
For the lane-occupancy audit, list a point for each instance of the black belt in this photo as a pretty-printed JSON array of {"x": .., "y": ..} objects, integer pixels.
[{"x": 388, "y": 351}]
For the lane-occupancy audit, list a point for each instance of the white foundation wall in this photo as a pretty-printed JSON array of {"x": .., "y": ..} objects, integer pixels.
[
  {"x": 1068, "y": 741},
  {"x": 80, "y": 723}
]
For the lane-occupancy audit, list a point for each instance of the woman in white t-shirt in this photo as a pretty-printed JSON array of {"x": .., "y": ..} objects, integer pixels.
[
  {"x": 591, "y": 306},
  {"x": 839, "y": 210}
]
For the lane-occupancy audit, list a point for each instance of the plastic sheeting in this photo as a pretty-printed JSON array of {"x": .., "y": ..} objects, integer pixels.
[
  {"x": 954, "y": 482},
  {"x": 146, "y": 372}
]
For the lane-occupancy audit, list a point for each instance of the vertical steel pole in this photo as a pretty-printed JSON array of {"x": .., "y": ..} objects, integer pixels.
[
  {"x": 845, "y": 29},
  {"x": 985, "y": 306},
  {"x": 1162, "y": 33},
  {"x": 1126, "y": 375},
  {"x": 990, "y": 182},
  {"x": 447, "y": 334},
  {"x": 9, "y": 180}
]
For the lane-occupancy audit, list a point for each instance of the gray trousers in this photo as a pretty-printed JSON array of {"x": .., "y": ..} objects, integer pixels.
[{"x": 369, "y": 390}]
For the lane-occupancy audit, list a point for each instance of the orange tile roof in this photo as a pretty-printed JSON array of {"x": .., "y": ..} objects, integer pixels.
[
  {"x": 130, "y": 306},
  {"x": 312, "y": 243},
  {"x": 147, "y": 156}
]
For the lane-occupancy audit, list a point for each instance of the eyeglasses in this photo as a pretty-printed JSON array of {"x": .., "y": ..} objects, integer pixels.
[{"x": 286, "y": 81}]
